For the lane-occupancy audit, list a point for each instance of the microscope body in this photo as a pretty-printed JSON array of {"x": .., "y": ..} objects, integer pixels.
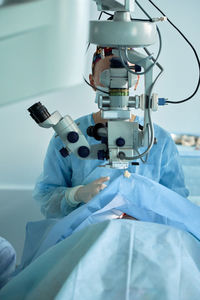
[{"x": 120, "y": 139}]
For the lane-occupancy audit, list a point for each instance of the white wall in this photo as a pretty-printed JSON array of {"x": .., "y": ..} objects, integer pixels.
[
  {"x": 23, "y": 143},
  {"x": 181, "y": 71},
  {"x": 17, "y": 208}
]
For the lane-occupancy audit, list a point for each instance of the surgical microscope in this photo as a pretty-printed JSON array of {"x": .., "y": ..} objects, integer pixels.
[{"x": 120, "y": 142}]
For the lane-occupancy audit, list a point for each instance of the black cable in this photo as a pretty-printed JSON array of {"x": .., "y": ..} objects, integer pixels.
[
  {"x": 195, "y": 53},
  {"x": 143, "y": 20},
  {"x": 142, "y": 9},
  {"x": 95, "y": 86},
  {"x": 106, "y": 13},
  {"x": 99, "y": 18}
]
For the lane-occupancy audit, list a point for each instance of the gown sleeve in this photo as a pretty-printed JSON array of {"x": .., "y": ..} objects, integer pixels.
[
  {"x": 52, "y": 184},
  {"x": 172, "y": 175}
]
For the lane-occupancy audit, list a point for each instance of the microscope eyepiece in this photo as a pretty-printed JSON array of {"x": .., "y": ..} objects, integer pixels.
[{"x": 38, "y": 112}]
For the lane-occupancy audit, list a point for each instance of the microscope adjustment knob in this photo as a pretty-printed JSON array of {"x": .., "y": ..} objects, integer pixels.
[
  {"x": 83, "y": 151},
  {"x": 101, "y": 155},
  {"x": 64, "y": 152},
  {"x": 120, "y": 142},
  {"x": 121, "y": 155},
  {"x": 72, "y": 137},
  {"x": 90, "y": 131},
  {"x": 104, "y": 140},
  {"x": 93, "y": 131}
]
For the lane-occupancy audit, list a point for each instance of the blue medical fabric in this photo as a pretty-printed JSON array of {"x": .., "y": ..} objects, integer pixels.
[
  {"x": 137, "y": 196},
  {"x": 118, "y": 259},
  {"x": 59, "y": 173},
  {"x": 7, "y": 261}
]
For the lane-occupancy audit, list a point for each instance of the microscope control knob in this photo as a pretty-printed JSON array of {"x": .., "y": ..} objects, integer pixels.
[
  {"x": 121, "y": 155},
  {"x": 72, "y": 137},
  {"x": 93, "y": 131},
  {"x": 101, "y": 155},
  {"x": 120, "y": 142},
  {"x": 83, "y": 151},
  {"x": 64, "y": 152}
]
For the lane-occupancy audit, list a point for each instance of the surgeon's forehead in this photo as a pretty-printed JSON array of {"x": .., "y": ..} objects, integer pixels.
[{"x": 102, "y": 64}]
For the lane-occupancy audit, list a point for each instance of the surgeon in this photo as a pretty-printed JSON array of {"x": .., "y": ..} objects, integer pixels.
[{"x": 68, "y": 182}]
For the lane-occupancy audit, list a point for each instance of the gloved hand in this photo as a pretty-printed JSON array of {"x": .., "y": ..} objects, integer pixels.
[{"x": 86, "y": 192}]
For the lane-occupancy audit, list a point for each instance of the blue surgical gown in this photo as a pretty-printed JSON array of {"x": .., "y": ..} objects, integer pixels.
[{"x": 59, "y": 172}]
